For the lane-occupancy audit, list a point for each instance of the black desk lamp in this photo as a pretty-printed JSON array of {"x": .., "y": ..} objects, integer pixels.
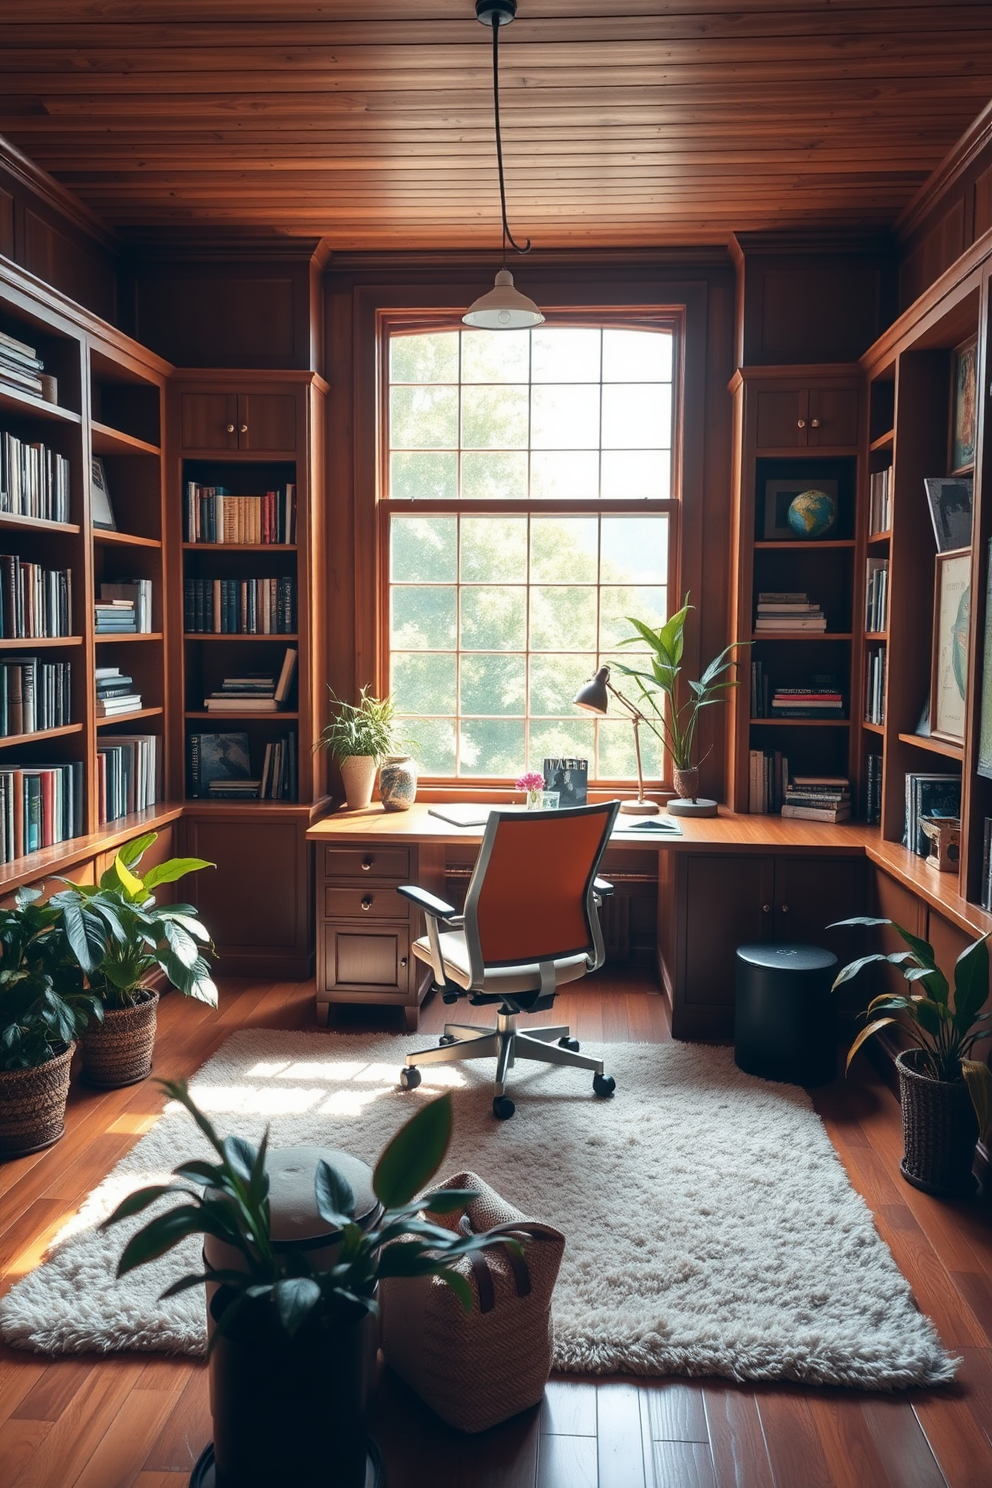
[{"x": 594, "y": 697}]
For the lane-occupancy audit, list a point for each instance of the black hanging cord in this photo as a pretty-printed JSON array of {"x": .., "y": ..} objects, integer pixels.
[{"x": 507, "y": 235}]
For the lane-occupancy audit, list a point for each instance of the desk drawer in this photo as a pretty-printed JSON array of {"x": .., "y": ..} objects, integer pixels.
[
  {"x": 373, "y": 862},
  {"x": 365, "y": 901}
]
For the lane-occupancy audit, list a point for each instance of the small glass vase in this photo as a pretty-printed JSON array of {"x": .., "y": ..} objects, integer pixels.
[{"x": 534, "y": 800}]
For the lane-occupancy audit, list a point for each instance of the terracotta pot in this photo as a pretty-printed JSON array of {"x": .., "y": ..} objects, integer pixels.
[
  {"x": 32, "y": 1104},
  {"x": 940, "y": 1130},
  {"x": 358, "y": 775},
  {"x": 398, "y": 782},
  {"x": 119, "y": 1050},
  {"x": 687, "y": 783}
]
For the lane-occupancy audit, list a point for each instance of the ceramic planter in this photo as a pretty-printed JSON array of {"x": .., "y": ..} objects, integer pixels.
[
  {"x": 939, "y": 1130},
  {"x": 358, "y": 776},
  {"x": 119, "y": 1050},
  {"x": 398, "y": 782},
  {"x": 32, "y": 1104}
]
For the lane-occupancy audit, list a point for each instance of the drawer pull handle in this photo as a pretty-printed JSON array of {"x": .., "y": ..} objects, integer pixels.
[
  {"x": 230, "y": 428},
  {"x": 367, "y": 864},
  {"x": 367, "y": 903},
  {"x": 766, "y": 909}
]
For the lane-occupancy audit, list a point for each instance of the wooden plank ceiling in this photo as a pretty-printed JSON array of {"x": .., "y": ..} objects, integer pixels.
[{"x": 369, "y": 122}]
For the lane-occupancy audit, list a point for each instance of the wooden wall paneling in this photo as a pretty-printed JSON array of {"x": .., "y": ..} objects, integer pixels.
[
  {"x": 723, "y": 902},
  {"x": 890, "y": 901},
  {"x": 6, "y": 224},
  {"x": 318, "y": 560},
  {"x": 68, "y": 262}
]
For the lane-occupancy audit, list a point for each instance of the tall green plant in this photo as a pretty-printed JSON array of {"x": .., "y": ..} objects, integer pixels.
[
  {"x": 676, "y": 723},
  {"x": 367, "y": 727},
  {"x": 229, "y": 1199},
  {"x": 118, "y": 934},
  {"x": 42, "y": 999}
]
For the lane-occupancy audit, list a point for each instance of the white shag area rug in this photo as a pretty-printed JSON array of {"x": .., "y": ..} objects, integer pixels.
[{"x": 711, "y": 1227}]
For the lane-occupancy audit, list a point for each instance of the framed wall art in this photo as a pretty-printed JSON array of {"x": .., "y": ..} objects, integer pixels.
[
  {"x": 984, "y": 764},
  {"x": 950, "y": 501},
  {"x": 963, "y": 405},
  {"x": 949, "y": 676}
]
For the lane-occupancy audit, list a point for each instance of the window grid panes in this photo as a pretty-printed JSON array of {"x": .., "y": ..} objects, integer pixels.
[{"x": 496, "y": 618}]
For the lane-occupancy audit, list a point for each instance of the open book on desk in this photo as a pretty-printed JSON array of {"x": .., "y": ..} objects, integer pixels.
[{"x": 465, "y": 814}]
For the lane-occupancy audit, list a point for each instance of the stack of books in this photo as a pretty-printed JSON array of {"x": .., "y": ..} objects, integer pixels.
[
  {"x": 35, "y": 602},
  {"x": 877, "y": 595},
  {"x": 875, "y": 669},
  {"x": 115, "y": 693},
  {"x": 34, "y": 695},
  {"x": 873, "y": 803},
  {"x": 822, "y": 700},
  {"x": 929, "y": 795},
  {"x": 825, "y": 798},
  {"x": 880, "y": 501},
  {"x": 40, "y": 805},
  {"x": 255, "y": 692},
  {"x": 213, "y": 515},
  {"x": 127, "y": 774},
  {"x": 135, "y": 592},
  {"x": 759, "y": 690},
  {"x": 34, "y": 480},
  {"x": 788, "y": 611},
  {"x": 767, "y": 781},
  {"x": 239, "y": 606},
  {"x": 20, "y": 365},
  {"x": 279, "y": 770},
  {"x": 115, "y": 617}
]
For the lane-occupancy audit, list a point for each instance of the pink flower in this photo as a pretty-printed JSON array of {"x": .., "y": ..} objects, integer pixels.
[{"x": 531, "y": 781}]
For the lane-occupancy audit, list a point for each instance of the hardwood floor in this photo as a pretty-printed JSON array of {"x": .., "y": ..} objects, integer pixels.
[{"x": 139, "y": 1421}]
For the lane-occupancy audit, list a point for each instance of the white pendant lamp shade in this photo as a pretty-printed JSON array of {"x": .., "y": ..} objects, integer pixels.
[{"x": 503, "y": 308}]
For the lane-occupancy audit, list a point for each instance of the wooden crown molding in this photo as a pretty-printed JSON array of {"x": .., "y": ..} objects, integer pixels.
[
  {"x": 242, "y": 247},
  {"x": 486, "y": 261},
  {"x": 827, "y": 242},
  {"x": 971, "y": 144},
  {"x": 55, "y": 195}
]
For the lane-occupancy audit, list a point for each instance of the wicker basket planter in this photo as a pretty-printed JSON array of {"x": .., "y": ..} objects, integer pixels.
[
  {"x": 32, "y": 1104},
  {"x": 939, "y": 1131},
  {"x": 119, "y": 1050}
]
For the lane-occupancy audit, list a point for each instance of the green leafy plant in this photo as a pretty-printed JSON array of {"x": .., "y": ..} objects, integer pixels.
[
  {"x": 367, "y": 727},
  {"x": 676, "y": 723},
  {"x": 946, "y": 1029},
  {"x": 43, "y": 1003},
  {"x": 229, "y": 1199},
  {"x": 118, "y": 934}
]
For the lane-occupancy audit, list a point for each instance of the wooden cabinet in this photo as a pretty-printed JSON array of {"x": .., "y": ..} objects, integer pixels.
[
  {"x": 365, "y": 928},
  {"x": 727, "y": 900},
  {"x": 258, "y": 421},
  {"x": 807, "y": 417}
]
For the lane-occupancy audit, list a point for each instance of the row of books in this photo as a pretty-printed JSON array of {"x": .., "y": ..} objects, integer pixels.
[
  {"x": 40, "y": 805},
  {"x": 239, "y": 606},
  {"x": 127, "y": 775},
  {"x": 788, "y": 610},
  {"x": 928, "y": 795},
  {"x": 759, "y": 690},
  {"x": 985, "y": 888},
  {"x": 136, "y": 593},
  {"x": 873, "y": 789},
  {"x": 825, "y": 798},
  {"x": 877, "y": 595},
  {"x": 823, "y": 700},
  {"x": 880, "y": 501},
  {"x": 220, "y": 768},
  {"x": 35, "y": 602},
  {"x": 876, "y": 669},
  {"x": 34, "y": 480},
  {"x": 20, "y": 365},
  {"x": 115, "y": 693},
  {"x": 254, "y": 692},
  {"x": 767, "y": 781},
  {"x": 213, "y": 515},
  {"x": 34, "y": 695}
]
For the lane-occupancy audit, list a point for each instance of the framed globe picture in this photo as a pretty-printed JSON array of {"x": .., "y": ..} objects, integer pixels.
[
  {"x": 949, "y": 677},
  {"x": 803, "y": 509}
]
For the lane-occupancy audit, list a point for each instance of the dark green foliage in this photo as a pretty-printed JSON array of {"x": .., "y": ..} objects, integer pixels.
[{"x": 42, "y": 999}]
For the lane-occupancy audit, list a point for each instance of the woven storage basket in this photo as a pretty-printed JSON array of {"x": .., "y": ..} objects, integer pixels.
[
  {"x": 32, "y": 1105},
  {"x": 939, "y": 1130},
  {"x": 119, "y": 1050},
  {"x": 477, "y": 1368}
]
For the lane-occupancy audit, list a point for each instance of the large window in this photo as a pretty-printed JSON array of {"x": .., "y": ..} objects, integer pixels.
[{"x": 528, "y": 510}]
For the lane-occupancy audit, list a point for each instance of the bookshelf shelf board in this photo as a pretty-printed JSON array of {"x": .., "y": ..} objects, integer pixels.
[
  {"x": 55, "y": 733},
  {"x": 17, "y": 402},
  {"x": 108, "y": 441},
  {"x": 233, "y": 713},
  {"x": 240, "y": 457},
  {"x": 197, "y": 804},
  {"x": 801, "y": 635},
  {"x": 873, "y": 728},
  {"x": 879, "y": 537},
  {"x": 11, "y": 519},
  {"x": 124, "y": 539},
  {"x": 62, "y": 855},
  {"x": 884, "y": 441},
  {"x": 801, "y": 722},
  {"x": 803, "y": 545},
  {"x": 876, "y": 635},
  {"x": 20, "y": 643},
  {"x": 127, "y": 717},
  {"x": 934, "y": 746},
  {"x": 239, "y": 547},
  {"x": 128, "y": 635},
  {"x": 224, "y": 635}
]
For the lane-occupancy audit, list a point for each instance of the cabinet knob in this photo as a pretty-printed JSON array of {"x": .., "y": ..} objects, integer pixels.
[
  {"x": 403, "y": 961},
  {"x": 367, "y": 863},
  {"x": 800, "y": 423},
  {"x": 814, "y": 423},
  {"x": 367, "y": 903},
  {"x": 242, "y": 428},
  {"x": 785, "y": 909},
  {"x": 766, "y": 909},
  {"x": 230, "y": 428}
]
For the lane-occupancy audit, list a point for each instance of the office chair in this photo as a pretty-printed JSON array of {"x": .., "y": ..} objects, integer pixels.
[{"x": 531, "y": 923}]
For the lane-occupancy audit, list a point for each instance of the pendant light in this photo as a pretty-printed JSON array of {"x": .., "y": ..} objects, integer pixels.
[{"x": 503, "y": 308}]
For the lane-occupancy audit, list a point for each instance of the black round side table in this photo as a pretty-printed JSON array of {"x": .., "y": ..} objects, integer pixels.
[{"x": 785, "y": 1025}]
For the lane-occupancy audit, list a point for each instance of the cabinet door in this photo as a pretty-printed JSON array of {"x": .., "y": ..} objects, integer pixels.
[
  {"x": 209, "y": 421},
  {"x": 266, "y": 421},
  {"x": 781, "y": 418},
  {"x": 833, "y": 416},
  {"x": 260, "y": 918},
  {"x": 812, "y": 893},
  {"x": 358, "y": 958},
  {"x": 726, "y": 903}
]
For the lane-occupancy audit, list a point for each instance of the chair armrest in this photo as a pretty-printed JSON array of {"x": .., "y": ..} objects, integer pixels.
[
  {"x": 429, "y": 903},
  {"x": 601, "y": 887}
]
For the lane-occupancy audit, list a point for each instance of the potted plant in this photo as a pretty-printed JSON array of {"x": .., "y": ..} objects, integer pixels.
[
  {"x": 360, "y": 736},
  {"x": 119, "y": 937},
  {"x": 289, "y": 1337},
  {"x": 43, "y": 1008},
  {"x": 676, "y": 722},
  {"x": 946, "y": 1097}
]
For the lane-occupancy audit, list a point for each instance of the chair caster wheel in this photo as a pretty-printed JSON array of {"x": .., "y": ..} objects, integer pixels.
[
  {"x": 446, "y": 1039},
  {"x": 503, "y": 1107},
  {"x": 603, "y": 1085},
  {"x": 569, "y": 1043},
  {"x": 410, "y": 1077}
]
